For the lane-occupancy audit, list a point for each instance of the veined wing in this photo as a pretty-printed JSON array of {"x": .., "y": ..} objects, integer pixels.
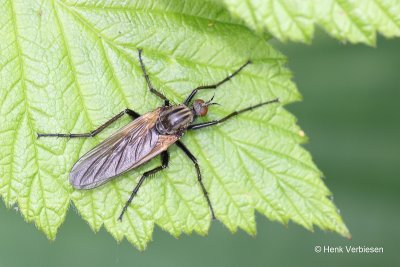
[{"x": 127, "y": 148}]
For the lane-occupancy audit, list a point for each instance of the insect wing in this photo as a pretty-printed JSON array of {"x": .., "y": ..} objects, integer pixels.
[{"x": 118, "y": 153}]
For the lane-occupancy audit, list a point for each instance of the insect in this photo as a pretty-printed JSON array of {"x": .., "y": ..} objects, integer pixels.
[{"x": 144, "y": 138}]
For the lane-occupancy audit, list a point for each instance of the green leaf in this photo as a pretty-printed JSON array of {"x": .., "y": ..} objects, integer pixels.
[
  {"x": 355, "y": 21},
  {"x": 68, "y": 66}
]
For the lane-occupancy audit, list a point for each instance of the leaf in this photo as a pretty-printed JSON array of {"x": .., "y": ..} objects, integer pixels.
[
  {"x": 68, "y": 66},
  {"x": 355, "y": 21}
]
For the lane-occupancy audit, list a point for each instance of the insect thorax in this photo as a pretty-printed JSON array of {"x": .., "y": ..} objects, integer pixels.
[{"x": 174, "y": 120}]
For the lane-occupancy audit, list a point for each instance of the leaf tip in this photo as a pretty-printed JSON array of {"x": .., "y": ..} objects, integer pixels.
[{"x": 345, "y": 232}]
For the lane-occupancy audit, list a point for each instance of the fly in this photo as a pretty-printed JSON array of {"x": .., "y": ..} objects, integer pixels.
[{"x": 144, "y": 138}]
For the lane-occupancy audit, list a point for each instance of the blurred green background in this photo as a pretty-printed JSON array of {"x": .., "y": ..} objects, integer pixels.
[{"x": 350, "y": 111}]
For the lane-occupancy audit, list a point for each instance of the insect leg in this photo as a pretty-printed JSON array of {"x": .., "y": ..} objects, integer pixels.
[
  {"x": 164, "y": 164},
  {"x": 149, "y": 84},
  {"x": 199, "y": 178},
  {"x": 214, "y": 86},
  {"x": 128, "y": 111},
  {"x": 235, "y": 113}
]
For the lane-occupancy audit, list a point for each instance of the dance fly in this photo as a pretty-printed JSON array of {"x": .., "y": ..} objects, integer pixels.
[{"x": 144, "y": 138}]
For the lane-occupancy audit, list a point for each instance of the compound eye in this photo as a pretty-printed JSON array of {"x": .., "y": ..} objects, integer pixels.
[{"x": 200, "y": 108}]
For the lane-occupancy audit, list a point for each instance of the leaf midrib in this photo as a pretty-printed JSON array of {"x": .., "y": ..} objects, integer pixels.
[{"x": 30, "y": 125}]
